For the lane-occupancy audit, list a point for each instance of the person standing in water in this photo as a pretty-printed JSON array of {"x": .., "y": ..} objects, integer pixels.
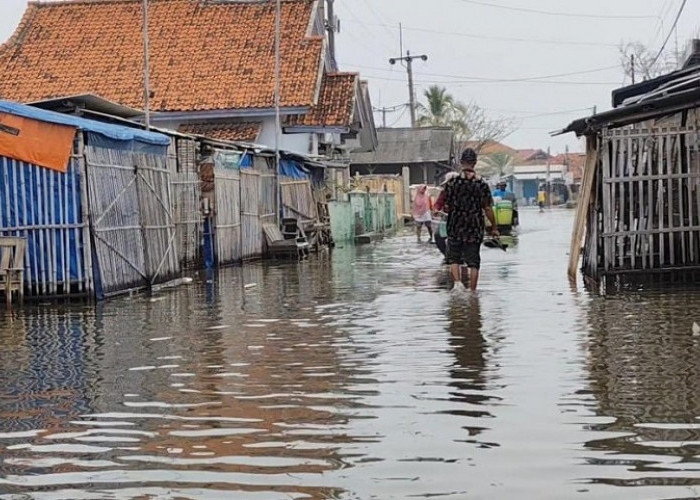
[
  {"x": 423, "y": 212},
  {"x": 467, "y": 200}
]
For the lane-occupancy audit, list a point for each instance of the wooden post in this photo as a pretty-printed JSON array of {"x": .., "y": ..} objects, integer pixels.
[
  {"x": 406, "y": 175},
  {"x": 587, "y": 186}
]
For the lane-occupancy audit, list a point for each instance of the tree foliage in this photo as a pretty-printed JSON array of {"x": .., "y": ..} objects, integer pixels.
[{"x": 470, "y": 122}]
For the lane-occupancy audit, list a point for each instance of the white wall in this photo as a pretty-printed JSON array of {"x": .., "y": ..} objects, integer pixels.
[{"x": 296, "y": 143}]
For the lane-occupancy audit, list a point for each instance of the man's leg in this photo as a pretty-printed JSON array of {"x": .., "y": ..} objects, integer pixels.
[
  {"x": 454, "y": 258},
  {"x": 473, "y": 278},
  {"x": 473, "y": 259}
]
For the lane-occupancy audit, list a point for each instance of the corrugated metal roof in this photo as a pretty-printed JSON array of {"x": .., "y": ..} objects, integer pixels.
[{"x": 409, "y": 145}]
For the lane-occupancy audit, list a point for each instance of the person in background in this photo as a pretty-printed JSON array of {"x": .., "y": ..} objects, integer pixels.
[
  {"x": 541, "y": 198},
  {"x": 441, "y": 230},
  {"x": 423, "y": 212},
  {"x": 467, "y": 200},
  {"x": 502, "y": 192}
]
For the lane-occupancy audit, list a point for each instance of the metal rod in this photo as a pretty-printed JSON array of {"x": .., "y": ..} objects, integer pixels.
[
  {"x": 278, "y": 68},
  {"x": 146, "y": 68}
]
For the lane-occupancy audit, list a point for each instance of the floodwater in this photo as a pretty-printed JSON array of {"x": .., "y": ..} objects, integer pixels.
[{"x": 359, "y": 377}]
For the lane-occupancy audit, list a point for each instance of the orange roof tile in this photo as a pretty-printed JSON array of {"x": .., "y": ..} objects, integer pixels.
[
  {"x": 204, "y": 55},
  {"x": 224, "y": 131},
  {"x": 336, "y": 103}
]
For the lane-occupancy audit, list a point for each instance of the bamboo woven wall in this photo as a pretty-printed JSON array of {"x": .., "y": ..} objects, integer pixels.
[
  {"x": 251, "y": 223},
  {"x": 116, "y": 224},
  {"x": 298, "y": 200},
  {"x": 228, "y": 215},
  {"x": 645, "y": 216},
  {"x": 47, "y": 207},
  {"x": 187, "y": 192},
  {"x": 157, "y": 217},
  {"x": 133, "y": 226},
  {"x": 268, "y": 200}
]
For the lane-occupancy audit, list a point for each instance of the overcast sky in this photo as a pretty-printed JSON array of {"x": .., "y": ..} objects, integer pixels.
[{"x": 477, "y": 48}]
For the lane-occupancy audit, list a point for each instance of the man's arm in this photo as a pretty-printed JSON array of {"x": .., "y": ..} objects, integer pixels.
[
  {"x": 492, "y": 219},
  {"x": 440, "y": 203},
  {"x": 488, "y": 209}
]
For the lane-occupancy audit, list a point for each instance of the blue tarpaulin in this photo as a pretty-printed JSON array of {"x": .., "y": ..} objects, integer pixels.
[
  {"x": 293, "y": 169},
  {"x": 45, "y": 206},
  {"x": 114, "y": 132}
]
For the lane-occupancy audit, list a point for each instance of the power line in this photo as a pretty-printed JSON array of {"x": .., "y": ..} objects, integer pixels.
[
  {"x": 371, "y": 35},
  {"x": 670, "y": 32},
  {"x": 552, "y": 13},
  {"x": 401, "y": 115},
  {"x": 499, "y": 80},
  {"x": 391, "y": 35},
  {"x": 465, "y": 82},
  {"x": 504, "y": 39}
]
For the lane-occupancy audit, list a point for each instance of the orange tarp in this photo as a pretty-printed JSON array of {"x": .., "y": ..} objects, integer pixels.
[{"x": 44, "y": 144}]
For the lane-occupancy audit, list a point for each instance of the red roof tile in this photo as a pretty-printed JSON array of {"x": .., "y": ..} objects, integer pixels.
[
  {"x": 224, "y": 131},
  {"x": 335, "y": 104},
  {"x": 205, "y": 55}
]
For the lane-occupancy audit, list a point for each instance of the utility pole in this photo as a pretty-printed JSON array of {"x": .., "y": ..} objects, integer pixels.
[
  {"x": 146, "y": 68},
  {"x": 549, "y": 182},
  {"x": 333, "y": 27},
  {"x": 278, "y": 92},
  {"x": 385, "y": 110},
  {"x": 632, "y": 67},
  {"x": 408, "y": 59}
]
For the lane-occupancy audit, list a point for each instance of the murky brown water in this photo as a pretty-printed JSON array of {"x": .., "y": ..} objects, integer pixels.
[{"x": 356, "y": 378}]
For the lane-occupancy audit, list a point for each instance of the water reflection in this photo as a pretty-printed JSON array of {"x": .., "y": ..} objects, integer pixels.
[
  {"x": 645, "y": 373},
  {"x": 358, "y": 376}
]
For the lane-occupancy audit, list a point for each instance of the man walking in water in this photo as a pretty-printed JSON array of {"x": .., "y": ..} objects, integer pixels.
[{"x": 467, "y": 199}]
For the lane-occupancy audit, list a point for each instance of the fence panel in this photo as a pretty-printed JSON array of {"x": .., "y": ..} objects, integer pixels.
[
  {"x": 228, "y": 215},
  {"x": 251, "y": 222}
]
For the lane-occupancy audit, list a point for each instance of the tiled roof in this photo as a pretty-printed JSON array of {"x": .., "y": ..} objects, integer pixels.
[
  {"x": 224, "y": 131},
  {"x": 490, "y": 147},
  {"x": 205, "y": 55},
  {"x": 530, "y": 157},
  {"x": 575, "y": 162},
  {"x": 335, "y": 104}
]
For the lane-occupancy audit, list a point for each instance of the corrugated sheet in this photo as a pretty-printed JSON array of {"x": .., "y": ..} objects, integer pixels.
[{"x": 409, "y": 145}]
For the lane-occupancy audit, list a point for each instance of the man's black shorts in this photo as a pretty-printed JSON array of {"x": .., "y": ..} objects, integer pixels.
[{"x": 463, "y": 253}]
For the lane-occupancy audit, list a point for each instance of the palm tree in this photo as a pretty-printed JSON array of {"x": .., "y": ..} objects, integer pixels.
[
  {"x": 439, "y": 109},
  {"x": 498, "y": 165}
]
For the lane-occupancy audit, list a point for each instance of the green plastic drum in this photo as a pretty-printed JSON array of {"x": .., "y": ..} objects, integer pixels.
[{"x": 504, "y": 212}]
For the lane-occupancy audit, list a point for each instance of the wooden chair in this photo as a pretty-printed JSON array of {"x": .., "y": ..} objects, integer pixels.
[{"x": 12, "y": 250}]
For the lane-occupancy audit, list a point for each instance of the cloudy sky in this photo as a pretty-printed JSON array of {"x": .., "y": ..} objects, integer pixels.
[{"x": 503, "y": 55}]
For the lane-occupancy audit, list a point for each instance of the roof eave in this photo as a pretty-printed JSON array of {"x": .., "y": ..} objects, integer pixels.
[
  {"x": 316, "y": 129},
  {"x": 227, "y": 113}
]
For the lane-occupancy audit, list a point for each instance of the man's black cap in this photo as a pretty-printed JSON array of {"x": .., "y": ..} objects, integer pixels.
[{"x": 468, "y": 156}]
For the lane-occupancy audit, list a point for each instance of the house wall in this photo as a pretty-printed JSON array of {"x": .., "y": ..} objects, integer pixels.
[
  {"x": 430, "y": 175},
  {"x": 296, "y": 143}
]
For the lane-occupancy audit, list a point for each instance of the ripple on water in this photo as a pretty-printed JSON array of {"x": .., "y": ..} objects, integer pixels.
[{"x": 358, "y": 377}]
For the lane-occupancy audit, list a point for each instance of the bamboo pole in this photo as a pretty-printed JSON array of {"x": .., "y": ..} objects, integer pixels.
[{"x": 583, "y": 206}]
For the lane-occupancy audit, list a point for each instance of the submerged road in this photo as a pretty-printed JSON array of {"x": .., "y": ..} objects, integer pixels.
[{"x": 359, "y": 376}]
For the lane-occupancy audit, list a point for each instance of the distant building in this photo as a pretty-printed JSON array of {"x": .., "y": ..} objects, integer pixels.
[{"x": 428, "y": 152}]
